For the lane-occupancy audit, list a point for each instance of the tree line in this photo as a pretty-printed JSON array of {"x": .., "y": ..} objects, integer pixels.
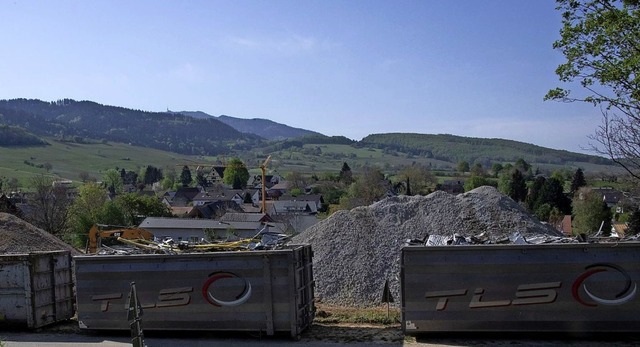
[{"x": 11, "y": 136}]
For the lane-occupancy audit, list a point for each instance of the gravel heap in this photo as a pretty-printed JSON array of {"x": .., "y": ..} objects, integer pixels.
[
  {"x": 355, "y": 252},
  {"x": 18, "y": 236}
]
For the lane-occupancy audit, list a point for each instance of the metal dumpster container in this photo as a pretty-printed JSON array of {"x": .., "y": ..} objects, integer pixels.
[
  {"x": 260, "y": 291},
  {"x": 36, "y": 289},
  {"x": 577, "y": 288}
]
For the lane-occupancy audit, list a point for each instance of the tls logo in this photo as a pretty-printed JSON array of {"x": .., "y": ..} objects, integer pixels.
[{"x": 546, "y": 292}]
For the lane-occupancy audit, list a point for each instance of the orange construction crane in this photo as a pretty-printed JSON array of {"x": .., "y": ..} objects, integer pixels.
[{"x": 263, "y": 168}]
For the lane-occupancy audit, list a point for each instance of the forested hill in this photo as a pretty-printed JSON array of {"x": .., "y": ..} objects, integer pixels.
[
  {"x": 264, "y": 128},
  {"x": 86, "y": 120},
  {"x": 453, "y": 149},
  {"x": 11, "y": 136},
  {"x": 201, "y": 134}
]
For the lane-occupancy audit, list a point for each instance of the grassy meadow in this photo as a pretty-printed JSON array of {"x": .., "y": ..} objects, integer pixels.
[
  {"x": 66, "y": 160},
  {"x": 69, "y": 159}
]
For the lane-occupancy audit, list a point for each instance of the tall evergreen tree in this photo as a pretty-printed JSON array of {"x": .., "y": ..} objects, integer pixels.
[
  {"x": 554, "y": 195},
  {"x": 151, "y": 175},
  {"x": 185, "y": 176},
  {"x": 535, "y": 191},
  {"x": 522, "y": 165},
  {"x": 201, "y": 179},
  {"x": 128, "y": 177},
  {"x": 346, "y": 176},
  {"x": 578, "y": 181},
  {"x": 517, "y": 186}
]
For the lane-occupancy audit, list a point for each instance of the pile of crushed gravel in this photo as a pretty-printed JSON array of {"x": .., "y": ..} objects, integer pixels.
[
  {"x": 18, "y": 236},
  {"x": 355, "y": 252}
]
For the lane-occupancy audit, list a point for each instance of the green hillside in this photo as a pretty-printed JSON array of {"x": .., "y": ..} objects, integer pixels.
[
  {"x": 67, "y": 138},
  {"x": 89, "y": 121},
  {"x": 68, "y": 159},
  {"x": 318, "y": 158},
  {"x": 453, "y": 148}
]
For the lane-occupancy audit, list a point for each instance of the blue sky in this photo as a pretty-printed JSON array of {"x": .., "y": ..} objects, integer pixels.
[{"x": 350, "y": 67}]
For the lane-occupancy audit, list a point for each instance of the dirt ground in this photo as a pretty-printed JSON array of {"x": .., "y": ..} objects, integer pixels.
[
  {"x": 318, "y": 335},
  {"x": 326, "y": 332},
  {"x": 348, "y": 324},
  {"x": 356, "y": 332},
  {"x": 333, "y": 325},
  {"x": 364, "y": 334}
]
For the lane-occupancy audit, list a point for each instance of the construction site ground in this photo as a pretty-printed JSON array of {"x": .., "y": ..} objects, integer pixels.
[
  {"x": 323, "y": 332},
  {"x": 353, "y": 334}
]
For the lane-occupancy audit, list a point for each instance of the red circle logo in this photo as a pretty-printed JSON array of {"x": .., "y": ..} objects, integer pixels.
[
  {"x": 217, "y": 278},
  {"x": 626, "y": 294}
]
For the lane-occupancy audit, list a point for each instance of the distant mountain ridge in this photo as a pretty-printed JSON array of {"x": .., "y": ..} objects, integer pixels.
[
  {"x": 197, "y": 133},
  {"x": 81, "y": 120},
  {"x": 264, "y": 128}
]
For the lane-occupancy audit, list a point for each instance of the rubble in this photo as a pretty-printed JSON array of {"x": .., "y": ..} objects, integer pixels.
[
  {"x": 515, "y": 239},
  {"x": 484, "y": 239},
  {"x": 263, "y": 240},
  {"x": 356, "y": 251},
  {"x": 18, "y": 236}
]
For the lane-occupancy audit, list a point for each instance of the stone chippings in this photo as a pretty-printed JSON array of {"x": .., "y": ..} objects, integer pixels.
[
  {"x": 356, "y": 251},
  {"x": 18, "y": 237}
]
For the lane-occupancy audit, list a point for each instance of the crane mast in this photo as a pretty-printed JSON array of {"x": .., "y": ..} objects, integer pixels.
[{"x": 263, "y": 168}]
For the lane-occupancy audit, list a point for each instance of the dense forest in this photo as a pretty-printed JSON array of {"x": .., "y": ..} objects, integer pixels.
[
  {"x": 90, "y": 121},
  {"x": 16, "y": 136}
]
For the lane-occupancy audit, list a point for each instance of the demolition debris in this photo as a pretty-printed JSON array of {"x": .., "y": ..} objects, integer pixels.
[
  {"x": 357, "y": 251},
  {"x": 18, "y": 236},
  {"x": 263, "y": 240}
]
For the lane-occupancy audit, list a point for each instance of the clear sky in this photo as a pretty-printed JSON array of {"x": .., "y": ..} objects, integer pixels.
[{"x": 349, "y": 67}]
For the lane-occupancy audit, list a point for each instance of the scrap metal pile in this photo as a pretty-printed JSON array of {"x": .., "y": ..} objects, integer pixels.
[
  {"x": 264, "y": 240},
  {"x": 514, "y": 239},
  {"x": 485, "y": 238}
]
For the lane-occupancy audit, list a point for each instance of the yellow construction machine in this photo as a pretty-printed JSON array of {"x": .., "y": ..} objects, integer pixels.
[{"x": 97, "y": 233}]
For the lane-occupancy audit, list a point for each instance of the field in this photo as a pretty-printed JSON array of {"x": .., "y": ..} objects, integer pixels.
[
  {"x": 331, "y": 157},
  {"x": 67, "y": 160}
]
